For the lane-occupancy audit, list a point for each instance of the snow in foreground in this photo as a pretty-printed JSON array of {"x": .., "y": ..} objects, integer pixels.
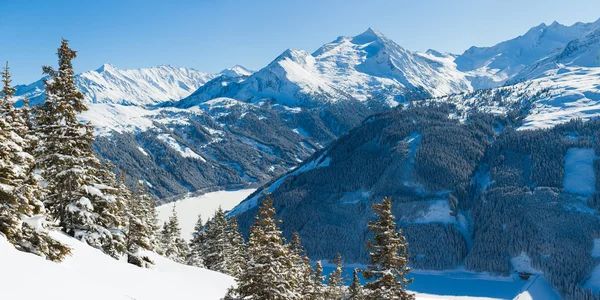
[
  {"x": 89, "y": 274},
  {"x": 189, "y": 208}
]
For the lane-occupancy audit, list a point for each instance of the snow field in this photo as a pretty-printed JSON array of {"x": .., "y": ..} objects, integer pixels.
[{"x": 92, "y": 275}]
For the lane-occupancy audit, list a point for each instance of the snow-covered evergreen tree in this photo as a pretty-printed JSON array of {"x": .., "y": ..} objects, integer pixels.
[
  {"x": 22, "y": 214},
  {"x": 355, "y": 290},
  {"x": 141, "y": 225},
  {"x": 196, "y": 257},
  {"x": 216, "y": 244},
  {"x": 388, "y": 266},
  {"x": 303, "y": 268},
  {"x": 172, "y": 245},
  {"x": 76, "y": 195},
  {"x": 269, "y": 273},
  {"x": 335, "y": 282},
  {"x": 236, "y": 254},
  {"x": 318, "y": 283}
]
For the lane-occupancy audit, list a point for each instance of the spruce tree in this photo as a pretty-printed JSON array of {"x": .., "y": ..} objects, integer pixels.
[
  {"x": 335, "y": 282},
  {"x": 22, "y": 214},
  {"x": 318, "y": 287},
  {"x": 196, "y": 257},
  {"x": 269, "y": 272},
  {"x": 236, "y": 254},
  {"x": 388, "y": 266},
  {"x": 216, "y": 245},
  {"x": 141, "y": 225},
  {"x": 172, "y": 245},
  {"x": 303, "y": 268},
  {"x": 355, "y": 290},
  {"x": 76, "y": 195}
]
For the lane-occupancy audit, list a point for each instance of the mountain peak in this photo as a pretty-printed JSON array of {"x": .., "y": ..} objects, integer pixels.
[
  {"x": 236, "y": 71},
  {"x": 106, "y": 67},
  {"x": 370, "y": 35},
  {"x": 298, "y": 56}
]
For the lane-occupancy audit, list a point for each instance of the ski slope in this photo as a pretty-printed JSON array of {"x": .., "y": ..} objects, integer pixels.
[{"x": 92, "y": 275}]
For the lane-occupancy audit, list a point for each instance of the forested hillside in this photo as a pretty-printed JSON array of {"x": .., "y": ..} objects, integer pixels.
[{"x": 474, "y": 192}]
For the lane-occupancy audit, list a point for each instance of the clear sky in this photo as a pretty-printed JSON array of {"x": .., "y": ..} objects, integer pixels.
[{"x": 210, "y": 35}]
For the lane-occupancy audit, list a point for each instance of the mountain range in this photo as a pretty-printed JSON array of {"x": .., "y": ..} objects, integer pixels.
[{"x": 181, "y": 130}]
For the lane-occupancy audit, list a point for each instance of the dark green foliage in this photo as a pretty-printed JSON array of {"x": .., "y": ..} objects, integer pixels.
[{"x": 388, "y": 266}]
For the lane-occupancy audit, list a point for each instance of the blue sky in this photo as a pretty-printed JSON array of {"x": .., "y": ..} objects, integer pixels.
[{"x": 210, "y": 35}]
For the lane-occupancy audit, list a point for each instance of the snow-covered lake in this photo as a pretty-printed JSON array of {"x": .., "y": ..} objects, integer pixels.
[{"x": 205, "y": 205}]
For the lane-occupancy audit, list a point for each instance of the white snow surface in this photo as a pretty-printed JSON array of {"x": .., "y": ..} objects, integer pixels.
[
  {"x": 205, "y": 205},
  {"x": 579, "y": 175},
  {"x": 489, "y": 67},
  {"x": 181, "y": 149},
  {"x": 141, "y": 87},
  {"x": 558, "y": 97},
  {"x": 362, "y": 67},
  {"x": 92, "y": 275},
  {"x": 438, "y": 212}
]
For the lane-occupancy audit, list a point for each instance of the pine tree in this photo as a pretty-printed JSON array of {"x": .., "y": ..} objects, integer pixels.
[
  {"x": 355, "y": 290},
  {"x": 269, "y": 272},
  {"x": 141, "y": 225},
  {"x": 389, "y": 258},
  {"x": 196, "y": 257},
  {"x": 335, "y": 283},
  {"x": 76, "y": 195},
  {"x": 22, "y": 214},
  {"x": 172, "y": 245},
  {"x": 236, "y": 254}
]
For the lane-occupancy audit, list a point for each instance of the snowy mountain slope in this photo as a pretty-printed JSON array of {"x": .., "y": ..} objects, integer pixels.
[
  {"x": 367, "y": 66},
  {"x": 489, "y": 67},
  {"x": 236, "y": 71},
  {"x": 79, "y": 275},
  {"x": 580, "y": 52},
  {"x": 549, "y": 100},
  {"x": 91, "y": 274},
  {"x": 141, "y": 87},
  {"x": 222, "y": 143}
]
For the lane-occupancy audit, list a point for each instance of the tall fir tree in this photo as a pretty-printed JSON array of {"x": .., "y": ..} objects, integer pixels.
[
  {"x": 335, "y": 282},
  {"x": 355, "y": 290},
  {"x": 269, "y": 273},
  {"x": 141, "y": 225},
  {"x": 22, "y": 214},
  {"x": 388, "y": 267},
  {"x": 196, "y": 257},
  {"x": 172, "y": 245},
  {"x": 76, "y": 195}
]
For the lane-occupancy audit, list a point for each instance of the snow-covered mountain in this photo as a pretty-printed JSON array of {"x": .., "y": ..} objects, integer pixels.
[
  {"x": 141, "y": 87},
  {"x": 190, "y": 124},
  {"x": 580, "y": 52},
  {"x": 366, "y": 66},
  {"x": 489, "y": 67},
  {"x": 236, "y": 71}
]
